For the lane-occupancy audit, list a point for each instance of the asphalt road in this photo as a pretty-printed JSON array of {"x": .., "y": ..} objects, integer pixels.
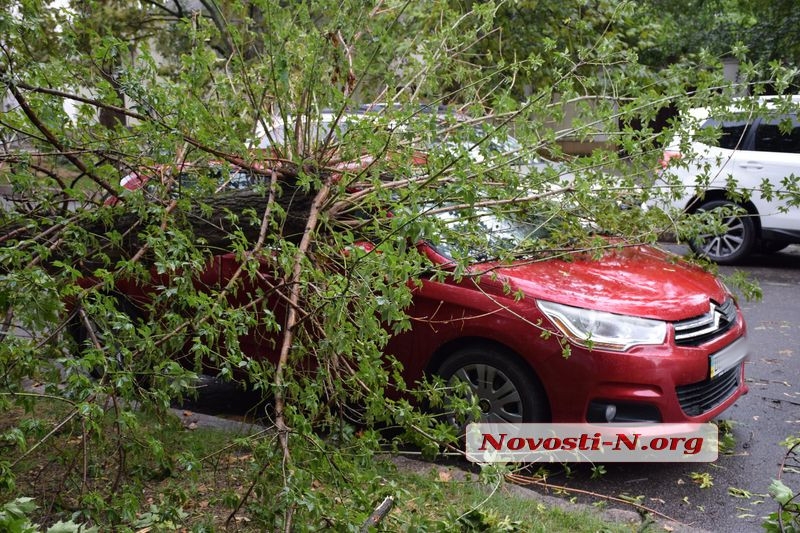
[{"x": 761, "y": 420}]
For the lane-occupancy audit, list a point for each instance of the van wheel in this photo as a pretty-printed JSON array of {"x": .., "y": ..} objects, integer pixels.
[
  {"x": 735, "y": 242},
  {"x": 90, "y": 334},
  {"x": 506, "y": 391}
]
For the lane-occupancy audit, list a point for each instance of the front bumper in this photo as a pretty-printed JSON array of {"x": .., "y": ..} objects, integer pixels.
[{"x": 652, "y": 384}]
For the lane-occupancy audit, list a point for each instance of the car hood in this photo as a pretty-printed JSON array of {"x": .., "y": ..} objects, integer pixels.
[{"x": 640, "y": 281}]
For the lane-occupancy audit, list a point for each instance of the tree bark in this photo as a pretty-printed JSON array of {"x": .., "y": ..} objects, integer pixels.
[
  {"x": 223, "y": 215},
  {"x": 215, "y": 223}
]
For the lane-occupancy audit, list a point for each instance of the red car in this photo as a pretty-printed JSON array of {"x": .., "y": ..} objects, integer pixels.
[{"x": 649, "y": 338}]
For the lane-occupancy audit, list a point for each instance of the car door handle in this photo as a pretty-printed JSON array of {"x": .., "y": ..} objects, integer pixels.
[{"x": 751, "y": 165}]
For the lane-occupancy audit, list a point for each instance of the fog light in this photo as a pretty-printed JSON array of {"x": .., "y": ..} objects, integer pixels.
[{"x": 601, "y": 412}]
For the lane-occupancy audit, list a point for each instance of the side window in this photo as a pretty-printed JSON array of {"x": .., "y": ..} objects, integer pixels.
[
  {"x": 241, "y": 179},
  {"x": 732, "y": 133},
  {"x": 186, "y": 180},
  {"x": 780, "y": 135}
]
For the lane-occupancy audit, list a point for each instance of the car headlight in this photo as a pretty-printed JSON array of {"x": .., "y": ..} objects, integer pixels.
[{"x": 603, "y": 331}]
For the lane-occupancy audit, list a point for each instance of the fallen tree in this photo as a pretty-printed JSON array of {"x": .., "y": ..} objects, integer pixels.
[{"x": 106, "y": 88}]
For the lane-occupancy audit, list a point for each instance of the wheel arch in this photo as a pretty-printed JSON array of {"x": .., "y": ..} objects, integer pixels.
[
  {"x": 453, "y": 346},
  {"x": 123, "y": 302},
  {"x": 720, "y": 194}
]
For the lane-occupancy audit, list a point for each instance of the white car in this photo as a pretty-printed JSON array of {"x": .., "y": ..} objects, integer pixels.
[
  {"x": 318, "y": 127},
  {"x": 746, "y": 172}
]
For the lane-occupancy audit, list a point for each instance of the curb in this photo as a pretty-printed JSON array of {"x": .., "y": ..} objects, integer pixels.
[{"x": 192, "y": 420}]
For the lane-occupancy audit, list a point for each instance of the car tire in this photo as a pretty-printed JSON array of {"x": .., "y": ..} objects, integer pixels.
[
  {"x": 80, "y": 331},
  {"x": 507, "y": 391},
  {"x": 733, "y": 245}
]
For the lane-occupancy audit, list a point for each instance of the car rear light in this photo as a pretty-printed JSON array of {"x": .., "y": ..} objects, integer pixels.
[
  {"x": 668, "y": 155},
  {"x": 132, "y": 181}
]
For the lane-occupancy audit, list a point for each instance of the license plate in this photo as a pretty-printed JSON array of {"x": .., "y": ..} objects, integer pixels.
[{"x": 729, "y": 357}]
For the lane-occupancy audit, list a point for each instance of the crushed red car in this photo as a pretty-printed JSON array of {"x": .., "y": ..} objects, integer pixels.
[{"x": 650, "y": 337}]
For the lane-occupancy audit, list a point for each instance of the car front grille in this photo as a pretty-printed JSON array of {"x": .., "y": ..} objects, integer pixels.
[
  {"x": 698, "y": 398},
  {"x": 698, "y": 330}
]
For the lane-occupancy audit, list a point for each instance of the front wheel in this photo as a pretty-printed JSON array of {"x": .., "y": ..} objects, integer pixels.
[
  {"x": 736, "y": 238},
  {"x": 96, "y": 337},
  {"x": 505, "y": 390}
]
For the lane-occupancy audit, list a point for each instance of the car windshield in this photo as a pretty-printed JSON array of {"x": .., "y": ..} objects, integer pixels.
[{"x": 484, "y": 234}]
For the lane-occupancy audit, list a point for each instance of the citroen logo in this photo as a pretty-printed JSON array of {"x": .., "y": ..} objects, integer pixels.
[{"x": 718, "y": 316}]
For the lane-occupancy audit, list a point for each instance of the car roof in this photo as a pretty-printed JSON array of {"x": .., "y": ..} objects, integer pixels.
[
  {"x": 703, "y": 113},
  {"x": 326, "y": 116}
]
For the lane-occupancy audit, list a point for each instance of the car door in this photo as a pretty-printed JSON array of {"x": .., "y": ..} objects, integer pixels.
[
  {"x": 775, "y": 157},
  {"x": 728, "y": 156}
]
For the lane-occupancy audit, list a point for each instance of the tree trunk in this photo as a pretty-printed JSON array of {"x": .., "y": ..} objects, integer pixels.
[{"x": 221, "y": 216}]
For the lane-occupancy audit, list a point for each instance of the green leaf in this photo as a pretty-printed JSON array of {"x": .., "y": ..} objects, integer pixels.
[
  {"x": 71, "y": 527},
  {"x": 780, "y": 492}
]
